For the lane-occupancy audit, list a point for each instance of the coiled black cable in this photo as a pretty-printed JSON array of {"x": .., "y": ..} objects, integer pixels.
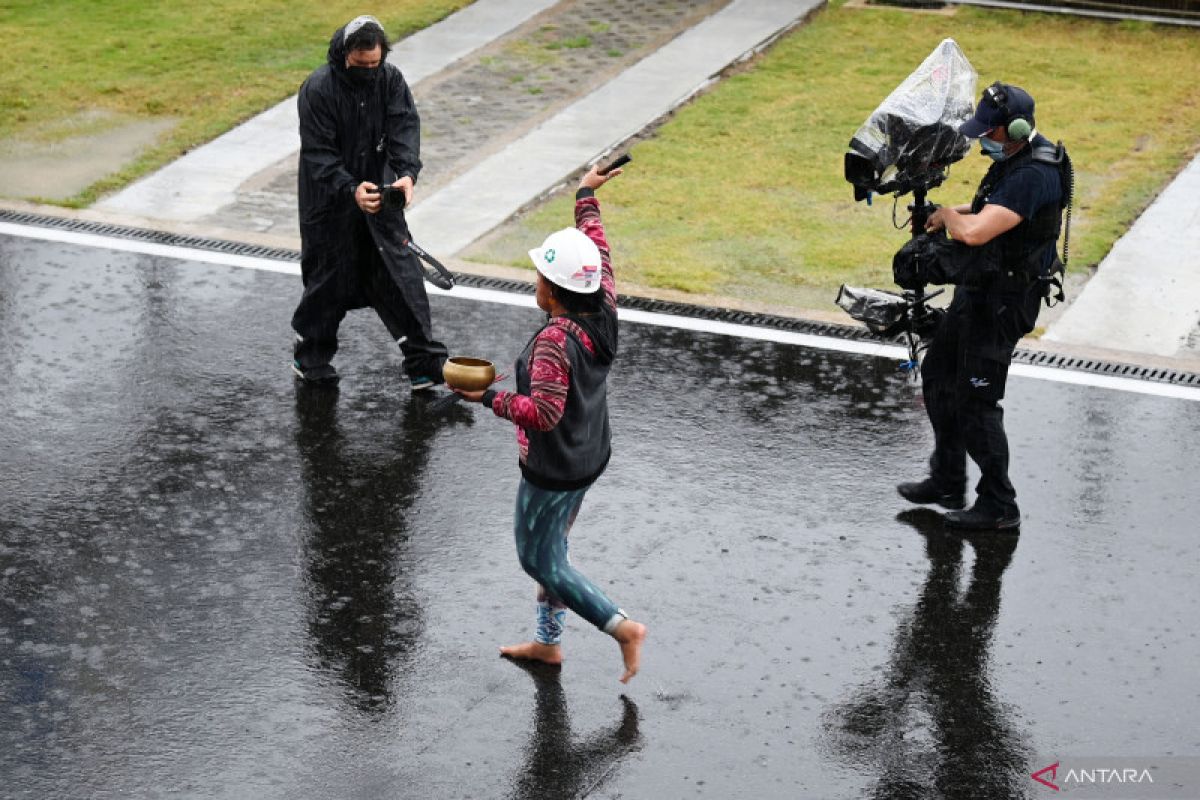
[{"x": 1070, "y": 189}]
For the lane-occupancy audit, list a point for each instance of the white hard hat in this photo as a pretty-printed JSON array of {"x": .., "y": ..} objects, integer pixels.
[{"x": 568, "y": 258}]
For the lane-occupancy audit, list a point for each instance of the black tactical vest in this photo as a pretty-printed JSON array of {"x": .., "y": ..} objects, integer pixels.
[{"x": 1022, "y": 249}]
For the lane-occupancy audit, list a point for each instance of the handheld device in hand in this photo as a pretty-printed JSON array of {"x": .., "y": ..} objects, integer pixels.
[
  {"x": 620, "y": 162},
  {"x": 392, "y": 198}
]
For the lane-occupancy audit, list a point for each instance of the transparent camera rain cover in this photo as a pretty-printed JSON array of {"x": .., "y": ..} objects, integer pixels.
[
  {"x": 882, "y": 312},
  {"x": 913, "y": 135}
]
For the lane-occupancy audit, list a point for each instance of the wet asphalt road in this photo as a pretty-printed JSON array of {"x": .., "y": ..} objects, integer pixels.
[{"x": 215, "y": 585}]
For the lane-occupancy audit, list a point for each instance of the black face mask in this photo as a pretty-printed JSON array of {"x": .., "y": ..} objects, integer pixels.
[{"x": 363, "y": 75}]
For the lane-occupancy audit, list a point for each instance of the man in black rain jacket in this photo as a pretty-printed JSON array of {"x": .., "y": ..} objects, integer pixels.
[{"x": 359, "y": 130}]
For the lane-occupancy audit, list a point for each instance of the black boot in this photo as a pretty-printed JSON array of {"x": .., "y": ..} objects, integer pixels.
[
  {"x": 929, "y": 491},
  {"x": 324, "y": 375},
  {"x": 320, "y": 373},
  {"x": 977, "y": 519}
]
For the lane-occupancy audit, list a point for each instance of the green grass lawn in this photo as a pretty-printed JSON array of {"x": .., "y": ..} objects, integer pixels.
[
  {"x": 741, "y": 193},
  {"x": 208, "y": 65}
]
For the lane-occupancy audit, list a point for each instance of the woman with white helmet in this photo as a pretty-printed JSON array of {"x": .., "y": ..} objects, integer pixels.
[{"x": 560, "y": 409}]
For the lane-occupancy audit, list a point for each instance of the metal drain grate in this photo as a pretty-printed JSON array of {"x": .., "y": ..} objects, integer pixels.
[
  {"x": 749, "y": 318},
  {"x": 144, "y": 235},
  {"x": 1116, "y": 369}
]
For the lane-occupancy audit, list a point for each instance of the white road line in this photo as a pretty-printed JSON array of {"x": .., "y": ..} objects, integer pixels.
[
  {"x": 148, "y": 248},
  {"x": 879, "y": 350}
]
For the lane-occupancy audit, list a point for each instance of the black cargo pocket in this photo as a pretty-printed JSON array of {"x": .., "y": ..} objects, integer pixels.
[
  {"x": 1016, "y": 316},
  {"x": 984, "y": 374}
]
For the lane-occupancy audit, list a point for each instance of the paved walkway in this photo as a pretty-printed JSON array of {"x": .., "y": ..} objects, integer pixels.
[{"x": 1145, "y": 296}]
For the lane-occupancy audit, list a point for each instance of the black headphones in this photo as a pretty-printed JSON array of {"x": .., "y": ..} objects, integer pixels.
[{"x": 1017, "y": 126}]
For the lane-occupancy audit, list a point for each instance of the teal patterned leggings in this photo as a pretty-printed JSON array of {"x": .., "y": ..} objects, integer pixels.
[{"x": 543, "y": 520}]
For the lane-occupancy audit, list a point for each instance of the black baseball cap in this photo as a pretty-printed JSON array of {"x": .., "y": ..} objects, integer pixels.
[{"x": 990, "y": 111}]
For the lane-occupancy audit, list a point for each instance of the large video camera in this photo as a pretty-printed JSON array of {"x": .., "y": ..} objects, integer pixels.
[
  {"x": 911, "y": 139},
  {"x": 907, "y": 145}
]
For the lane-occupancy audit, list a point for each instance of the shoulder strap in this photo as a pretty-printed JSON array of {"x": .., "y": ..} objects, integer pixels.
[{"x": 1049, "y": 153}]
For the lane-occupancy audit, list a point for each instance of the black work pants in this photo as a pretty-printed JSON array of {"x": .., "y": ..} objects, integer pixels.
[
  {"x": 964, "y": 374},
  {"x": 329, "y": 292}
]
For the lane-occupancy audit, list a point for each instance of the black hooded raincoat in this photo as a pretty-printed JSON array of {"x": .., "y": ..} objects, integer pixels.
[{"x": 354, "y": 131}]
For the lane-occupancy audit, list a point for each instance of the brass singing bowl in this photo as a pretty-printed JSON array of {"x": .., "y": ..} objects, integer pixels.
[{"x": 468, "y": 374}]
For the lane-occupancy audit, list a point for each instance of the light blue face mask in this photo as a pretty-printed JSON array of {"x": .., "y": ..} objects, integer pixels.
[{"x": 991, "y": 148}]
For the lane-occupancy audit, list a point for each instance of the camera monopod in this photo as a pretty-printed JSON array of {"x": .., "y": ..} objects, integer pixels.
[{"x": 918, "y": 314}]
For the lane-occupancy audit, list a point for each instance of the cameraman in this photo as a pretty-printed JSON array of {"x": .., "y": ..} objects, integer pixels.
[
  {"x": 1010, "y": 232},
  {"x": 358, "y": 124}
]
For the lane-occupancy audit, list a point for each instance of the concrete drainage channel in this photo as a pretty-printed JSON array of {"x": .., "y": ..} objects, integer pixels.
[{"x": 732, "y": 316}]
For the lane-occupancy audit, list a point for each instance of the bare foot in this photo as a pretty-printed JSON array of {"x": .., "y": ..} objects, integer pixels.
[
  {"x": 534, "y": 651},
  {"x": 630, "y": 635}
]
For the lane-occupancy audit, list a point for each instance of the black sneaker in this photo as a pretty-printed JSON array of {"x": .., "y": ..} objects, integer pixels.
[
  {"x": 324, "y": 374},
  {"x": 926, "y": 491},
  {"x": 974, "y": 519}
]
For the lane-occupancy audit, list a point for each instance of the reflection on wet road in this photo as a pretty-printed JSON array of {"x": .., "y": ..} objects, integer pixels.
[
  {"x": 362, "y": 617},
  {"x": 215, "y": 584},
  {"x": 557, "y": 763},
  {"x": 932, "y": 723}
]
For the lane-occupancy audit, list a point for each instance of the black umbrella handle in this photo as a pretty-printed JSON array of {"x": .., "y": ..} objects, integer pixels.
[{"x": 442, "y": 278}]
